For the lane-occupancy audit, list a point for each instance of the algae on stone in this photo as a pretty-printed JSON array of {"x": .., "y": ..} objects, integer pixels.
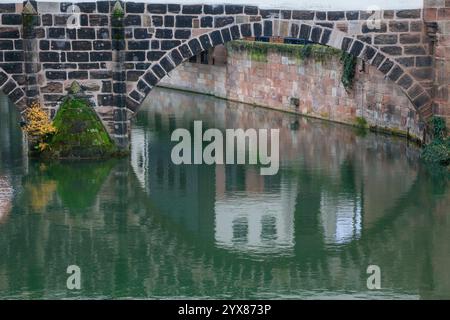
[{"x": 79, "y": 132}]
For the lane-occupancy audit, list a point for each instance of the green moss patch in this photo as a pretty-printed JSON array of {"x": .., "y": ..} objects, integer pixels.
[
  {"x": 258, "y": 50},
  {"x": 80, "y": 133}
]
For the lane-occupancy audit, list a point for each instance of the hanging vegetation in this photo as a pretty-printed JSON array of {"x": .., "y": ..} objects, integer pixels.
[
  {"x": 348, "y": 71},
  {"x": 438, "y": 150},
  {"x": 258, "y": 51}
]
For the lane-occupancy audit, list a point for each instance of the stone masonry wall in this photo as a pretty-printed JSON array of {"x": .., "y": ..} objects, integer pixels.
[
  {"x": 307, "y": 87},
  {"x": 437, "y": 18},
  {"x": 118, "y": 59}
]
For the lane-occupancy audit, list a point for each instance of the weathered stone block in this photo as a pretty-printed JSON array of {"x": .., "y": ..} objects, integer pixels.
[
  {"x": 316, "y": 34},
  {"x": 216, "y": 37},
  {"x": 234, "y": 9},
  {"x": 105, "y": 99},
  {"x": 48, "y": 56},
  {"x": 155, "y": 55},
  {"x": 206, "y": 22},
  {"x": 336, "y": 15},
  {"x": 246, "y": 30},
  {"x": 396, "y": 26},
  {"x": 56, "y": 75},
  {"x": 11, "y": 19},
  {"x": 86, "y": 33},
  {"x": 164, "y": 33},
  {"x": 6, "y": 45},
  {"x": 205, "y": 41},
  {"x": 101, "y": 56},
  {"x": 386, "y": 39},
  {"x": 133, "y": 7},
  {"x": 100, "y": 74},
  {"x": 81, "y": 75},
  {"x": 409, "y": 14},
  {"x": 405, "y": 82},
  {"x": 9, "y": 33},
  {"x": 182, "y": 34},
  {"x": 135, "y": 56},
  {"x": 174, "y": 8},
  {"x": 220, "y": 22},
  {"x": 60, "y": 45},
  {"x": 88, "y": 66},
  {"x": 395, "y": 73},
  {"x": 183, "y": 21},
  {"x": 386, "y": 66},
  {"x": 169, "y": 44},
  {"x": 392, "y": 50},
  {"x": 77, "y": 56},
  {"x": 414, "y": 50},
  {"x": 176, "y": 57},
  {"x": 379, "y": 58},
  {"x": 158, "y": 71},
  {"x": 192, "y": 9},
  {"x": 169, "y": 21},
  {"x": 138, "y": 45},
  {"x": 151, "y": 78},
  {"x": 251, "y": 10}
]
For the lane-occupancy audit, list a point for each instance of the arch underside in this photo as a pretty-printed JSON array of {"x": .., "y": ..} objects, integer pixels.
[
  {"x": 11, "y": 88},
  {"x": 393, "y": 70}
]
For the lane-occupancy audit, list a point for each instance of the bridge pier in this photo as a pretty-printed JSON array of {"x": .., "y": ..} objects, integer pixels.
[{"x": 437, "y": 19}]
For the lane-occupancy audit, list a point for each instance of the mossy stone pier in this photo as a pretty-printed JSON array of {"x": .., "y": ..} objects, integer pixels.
[
  {"x": 80, "y": 134},
  {"x": 119, "y": 51}
]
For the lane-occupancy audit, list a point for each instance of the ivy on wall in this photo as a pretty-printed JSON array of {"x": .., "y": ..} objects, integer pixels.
[
  {"x": 438, "y": 150},
  {"x": 348, "y": 71},
  {"x": 258, "y": 51}
]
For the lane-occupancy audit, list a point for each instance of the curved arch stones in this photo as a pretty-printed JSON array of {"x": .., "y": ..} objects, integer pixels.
[
  {"x": 119, "y": 62},
  {"x": 315, "y": 33}
]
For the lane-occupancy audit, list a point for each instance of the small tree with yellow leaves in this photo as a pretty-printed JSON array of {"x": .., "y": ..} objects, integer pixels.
[{"x": 38, "y": 127}]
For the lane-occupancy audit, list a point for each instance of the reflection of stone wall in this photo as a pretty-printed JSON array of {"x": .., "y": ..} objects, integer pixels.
[
  {"x": 377, "y": 160},
  {"x": 283, "y": 78}
]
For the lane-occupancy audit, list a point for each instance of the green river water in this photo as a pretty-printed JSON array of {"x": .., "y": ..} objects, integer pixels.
[{"x": 142, "y": 227}]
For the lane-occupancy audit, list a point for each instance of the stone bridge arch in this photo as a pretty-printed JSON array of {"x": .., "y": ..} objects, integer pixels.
[
  {"x": 315, "y": 33},
  {"x": 11, "y": 88}
]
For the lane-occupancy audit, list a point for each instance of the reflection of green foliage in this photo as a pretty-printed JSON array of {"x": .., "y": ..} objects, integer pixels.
[
  {"x": 77, "y": 183},
  {"x": 438, "y": 150},
  {"x": 80, "y": 133}
]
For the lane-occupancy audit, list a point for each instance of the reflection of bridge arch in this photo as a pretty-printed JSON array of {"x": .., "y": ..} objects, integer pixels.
[{"x": 342, "y": 213}]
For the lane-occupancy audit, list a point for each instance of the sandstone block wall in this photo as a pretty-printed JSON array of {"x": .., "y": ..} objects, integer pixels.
[{"x": 306, "y": 86}]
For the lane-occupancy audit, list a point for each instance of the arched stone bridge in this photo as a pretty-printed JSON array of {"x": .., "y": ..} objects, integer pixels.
[{"x": 120, "y": 50}]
